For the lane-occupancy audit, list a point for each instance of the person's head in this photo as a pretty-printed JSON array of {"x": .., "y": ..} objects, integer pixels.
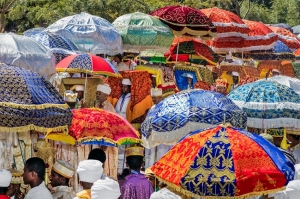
[
  {"x": 103, "y": 91},
  {"x": 268, "y": 137},
  {"x": 15, "y": 183},
  {"x": 275, "y": 72},
  {"x": 126, "y": 60},
  {"x": 277, "y": 140},
  {"x": 5, "y": 178},
  {"x": 153, "y": 80},
  {"x": 97, "y": 154},
  {"x": 61, "y": 173},
  {"x": 294, "y": 139},
  {"x": 151, "y": 177},
  {"x": 215, "y": 75},
  {"x": 118, "y": 58},
  {"x": 89, "y": 171},
  {"x": 189, "y": 78},
  {"x": 34, "y": 170},
  {"x": 79, "y": 89},
  {"x": 126, "y": 86},
  {"x": 221, "y": 86},
  {"x": 134, "y": 157},
  {"x": 156, "y": 94},
  {"x": 125, "y": 172},
  {"x": 106, "y": 188},
  {"x": 235, "y": 77}
]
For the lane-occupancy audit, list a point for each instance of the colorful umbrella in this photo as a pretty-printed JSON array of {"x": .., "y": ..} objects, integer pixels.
[
  {"x": 153, "y": 56},
  {"x": 268, "y": 104},
  {"x": 87, "y": 63},
  {"x": 290, "y": 82},
  {"x": 90, "y": 33},
  {"x": 140, "y": 32},
  {"x": 97, "y": 126},
  {"x": 25, "y": 52},
  {"x": 29, "y": 102},
  {"x": 282, "y": 25},
  {"x": 187, "y": 111},
  {"x": 224, "y": 162},
  {"x": 296, "y": 30},
  {"x": 186, "y": 21}
]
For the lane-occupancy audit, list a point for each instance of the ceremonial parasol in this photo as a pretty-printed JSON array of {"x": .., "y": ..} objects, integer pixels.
[
  {"x": 186, "y": 21},
  {"x": 25, "y": 52},
  {"x": 186, "y": 111},
  {"x": 97, "y": 126},
  {"x": 90, "y": 33},
  {"x": 29, "y": 102},
  {"x": 268, "y": 104},
  {"x": 290, "y": 82},
  {"x": 87, "y": 63},
  {"x": 140, "y": 32},
  {"x": 224, "y": 162}
]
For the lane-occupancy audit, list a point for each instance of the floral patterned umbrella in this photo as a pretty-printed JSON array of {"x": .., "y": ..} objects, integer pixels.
[{"x": 224, "y": 162}]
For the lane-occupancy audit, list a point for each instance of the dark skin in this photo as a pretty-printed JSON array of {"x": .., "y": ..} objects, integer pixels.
[
  {"x": 57, "y": 180},
  {"x": 293, "y": 141},
  {"x": 86, "y": 185},
  {"x": 125, "y": 89},
  {"x": 80, "y": 95},
  {"x": 153, "y": 81},
  {"x": 116, "y": 59},
  {"x": 12, "y": 189},
  {"x": 235, "y": 79},
  {"x": 101, "y": 97},
  {"x": 221, "y": 89},
  {"x": 277, "y": 141},
  {"x": 274, "y": 73},
  {"x": 156, "y": 99}
]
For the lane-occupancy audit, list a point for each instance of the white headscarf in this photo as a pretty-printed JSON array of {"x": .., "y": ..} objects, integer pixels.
[
  {"x": 164, "y": 193},
  {"x": 105, "y": 188}
]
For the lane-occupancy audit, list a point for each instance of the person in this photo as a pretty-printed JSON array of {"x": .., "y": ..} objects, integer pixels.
[
  {"x": 153, "y": 180},
  {"x": 79, "y": 89},
  {"x": 136, "y": 185},
  {"x": 156, "y": 94},
  {"x": 164, "y": 193},
  {"x": 111, "y": 166},
  {"x": 189, "y": 79},
  {"x": 153, "y": 81},
  {"x": 103, "y": 91},
  {"x": 89, "y": 171},
  {"x": 294, "y": 145},
  {"x": 5, "y": 178},
  {"x": 34, "y": 173},
  {"x": 61, "y": 174},
  {"x": 121, "y": 106},
  {"x": 120, "y": 66},
  {"x": 275, "y": 72},
  {"x": 105, "y": 188},
  {"x": 221, "y": 86},
  {"x": 235, "y": 79},
  {"x": 128, "y": 61},
  {"x": 15, "y": 183}
]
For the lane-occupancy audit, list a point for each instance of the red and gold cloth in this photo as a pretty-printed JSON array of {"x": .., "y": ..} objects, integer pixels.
[
  {"x": 202, "y": 85},
  {"x": 97, "y": 125},
  {"x": 244, "y": 71},
  {"x": 236, "y": 163},
  {"x": 284, "y": 67},
  {"x": 287, "y": 37}
]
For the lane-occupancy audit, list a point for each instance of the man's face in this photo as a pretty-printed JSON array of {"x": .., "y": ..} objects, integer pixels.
[
  {"x": 156, "y": 99},
  {"x": 101, "y": 97},
  {"x": 189, "y": 80},
  {"x": 235, "y": 79},
  {"x": 275, "y": 73},
  {"x": 221, "y": 89},
  {"x": 79, "y": 94},
  {"x": 116, "y": 59},
  {"x": 12, "y": 189},
  {"x": 56, "y": 179},
  {"x": 125, "y": 89},
  {"x": 27, "y": 175}
]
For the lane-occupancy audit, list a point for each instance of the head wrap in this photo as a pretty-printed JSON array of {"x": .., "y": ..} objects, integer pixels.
[
  {"x": 134, "y": 151},
  {"x": 79, "y": 88},
  {"x": 126, "y": 82},
  {"x": 5, "y": 178},
  {"x": 275, "y": 70},
  {"x": 89, "y": 170},
  {"x": 104, "y": 88},
  {"x": 106, "y": 188},
  {"x": 189, "y": 76},
  {"x": 235, "y": 73},
  {"x": 156, "y": 92},
  {"x": 63, "y": 168}
]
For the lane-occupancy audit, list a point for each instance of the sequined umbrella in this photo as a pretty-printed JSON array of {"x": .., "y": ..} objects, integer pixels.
[
  {"x": 224, "y": 162},
  {"x": 187, "y": 111},
  {"x": 97, "y": 126},
  {"x": 268, "y": 104},
  {"x": 90, "y": 33},
  {"x": 29, "y": 102},
  {"x": 141, "y": 31},
  {"x": 186, "y": 21}
]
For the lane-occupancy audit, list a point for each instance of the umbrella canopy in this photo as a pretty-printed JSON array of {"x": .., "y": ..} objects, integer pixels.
[
  {"x": 87, "y": 63},
  {"x": 296, "y": 30},
  {"x": 282, "y": 25},
  {"x": 90, "y": 33},
  {"x": 290, "y": 82},
  {"x": 29, "y": 102},
  {"x": 287, "y": 37},
  {"x": 224, "y": 163},
  {"x": 227, "y": 23},
  {"x": 268, "y": 104},
  {"x": 186, "y": 111},
  {"x": 97, "y": 126},
  {"x": 186, "y": 21},
  {"x": 25, "y": 52},
  {"x": 140, "y": 31}
]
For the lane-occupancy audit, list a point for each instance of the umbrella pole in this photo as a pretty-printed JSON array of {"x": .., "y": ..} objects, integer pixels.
[
  {"x": 85, "y": 82},
  {"x": 177, "y": 49},
  {"x": 140, "y": 59}
]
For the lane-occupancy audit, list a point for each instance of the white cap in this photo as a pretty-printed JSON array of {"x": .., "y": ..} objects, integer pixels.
[
  {"x": 69, "y": 96},
  {"x": 5, "y": 178},
  {"x": 190, "y": 76},
  {"x": 228, "y": 57},
  {"x": 104, "y": 88},
  {"x": 156, "y": 92},
  {"x": 235, "y": 73},
  {"x": 79, "y": 88},
  {"x": 153, "y": 75},
  {"x": 89, "y": 170},
  {"x": 275, "y": 70},
  {"x": 126, "y": 82},
  {"x": 106, "y": 188}
]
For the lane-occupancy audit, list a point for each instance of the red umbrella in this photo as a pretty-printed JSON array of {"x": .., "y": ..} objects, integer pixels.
[
  {"x": 186, "y": 21},
  {"x": 87, "y": 63}
]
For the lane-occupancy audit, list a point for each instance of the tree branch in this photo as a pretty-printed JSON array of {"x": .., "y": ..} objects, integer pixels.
[
  {"x": 10, "y": 5},
  {"x": 248, "y": 10},
  {"x": 240, "y": 4}
]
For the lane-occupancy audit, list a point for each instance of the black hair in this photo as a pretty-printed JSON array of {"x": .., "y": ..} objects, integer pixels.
[
  {"x": 37, "y": 165},
  {"x": 135, "y": 162},
  {"x": 3, "y": 190},
  {"x": 67, "y": 179},
  {"x": 119, "y": 56},
  {"x": 295, "y": 137},
  {"x": 97, "y": 154}
]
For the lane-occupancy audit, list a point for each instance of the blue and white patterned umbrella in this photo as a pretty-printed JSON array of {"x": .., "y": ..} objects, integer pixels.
[
  {"x": 91, "y": 34},
  {"x": 290, "y": 82},
  {"x": 268, "y": 104},
  {"x": 187, "y": 111}
]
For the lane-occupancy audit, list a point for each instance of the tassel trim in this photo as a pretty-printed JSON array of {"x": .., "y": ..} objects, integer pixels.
[
  {"x": 32, "y": 127},
  {"x": 121, "y": 141},
  {"x": 34, "y": 106},
  {"x": 78, "y": 70}
]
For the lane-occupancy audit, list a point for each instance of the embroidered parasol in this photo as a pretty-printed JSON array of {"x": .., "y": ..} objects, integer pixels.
[
  {"x": 187, "y": 111},
  {"x": 290, "y": 82},
  {"x": 268, "y": 104},
  {"x": 29, "y": 102},
  {"x": 97, "y": 126},
  {"x": 224, "y": 162},
  {"x": 186, "y": 21}
]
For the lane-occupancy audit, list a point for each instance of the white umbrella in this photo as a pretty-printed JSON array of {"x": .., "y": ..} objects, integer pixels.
[{"x": 290, "y": 82}]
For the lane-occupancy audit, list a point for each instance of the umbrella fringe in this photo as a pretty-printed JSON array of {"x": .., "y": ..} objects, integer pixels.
[
  {"x": 77, "y": 70},
  {"x": 244, "y": 196},
  {"x": 34, "y": 106},
  {"x": 108, "y": 140},
  {"x": 33, "y": 127}
]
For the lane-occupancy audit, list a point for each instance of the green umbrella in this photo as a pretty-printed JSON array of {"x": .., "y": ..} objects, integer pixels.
[{"x": 140, "y": 32}]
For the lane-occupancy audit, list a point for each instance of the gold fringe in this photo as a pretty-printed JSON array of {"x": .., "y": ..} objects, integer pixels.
[
  {"x": 245, "y": 196},
  {"x": 119, "y": 142},
  {"x": 34, "y": 106},
  {"x": 78, "y": 70},
  {"x": 34, "y": 128}
]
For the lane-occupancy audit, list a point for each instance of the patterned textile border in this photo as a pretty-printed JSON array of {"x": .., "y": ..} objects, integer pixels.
[
  {"x": 285, "y": 67},
  {"x": 244, "y": 71}
]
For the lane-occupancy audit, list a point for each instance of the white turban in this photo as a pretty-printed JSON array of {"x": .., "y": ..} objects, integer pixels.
[
  {"x": 104, "y": 88},
  {"x": 105, "y": 188},
  {"x": 79, "y": 88},
  {"x": 164, "y": 193},
  {"x": 5, "y": 178},
  {"x": 189, "y": 76},
  {"x": 126, "y": 82},
  {"x": 235, "y": 73},
  {"x": 89, "y": 170},
  {"x": 156, "y": 92}
]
